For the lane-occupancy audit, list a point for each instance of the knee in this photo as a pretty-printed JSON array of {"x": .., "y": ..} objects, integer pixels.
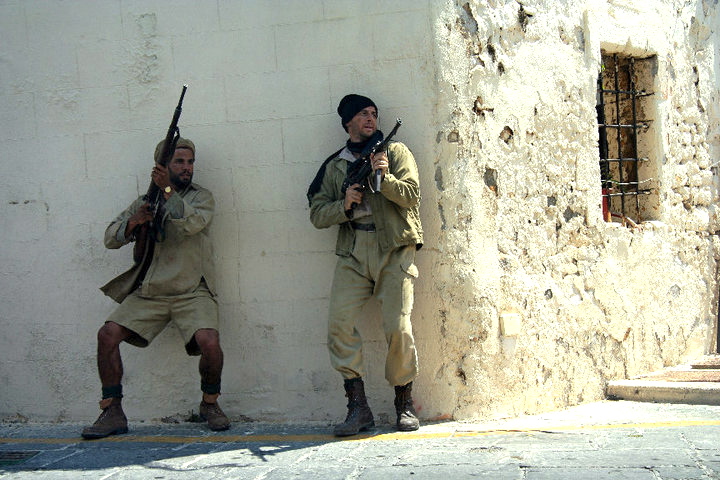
[
  {"x": 208, "y": 340},
  {"x": 110, "y": 335}
]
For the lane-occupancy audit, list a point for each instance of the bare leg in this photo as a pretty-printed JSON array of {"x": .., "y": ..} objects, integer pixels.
[
  {"x": 211, "y": 360},
  {"x": 112, "y": 420},
  {"x": 109, "y": 361},
  {"x": 211, "y": 363}
]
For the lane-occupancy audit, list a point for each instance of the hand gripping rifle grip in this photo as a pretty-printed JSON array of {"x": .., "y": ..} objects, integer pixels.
[
  {"x": 378, "y": 172},
  {"x": 378, "y": 180}
]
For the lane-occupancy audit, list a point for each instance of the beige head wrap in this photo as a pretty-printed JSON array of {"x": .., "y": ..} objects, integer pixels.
[{"x": 182, "y": 143}]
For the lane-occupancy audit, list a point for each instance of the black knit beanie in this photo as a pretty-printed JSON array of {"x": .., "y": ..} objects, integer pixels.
[{"x": 350, "y": 105}]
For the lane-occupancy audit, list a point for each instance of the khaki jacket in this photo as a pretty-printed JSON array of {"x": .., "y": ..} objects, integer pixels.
[
  {"x": 179, "y": 262},
  {"x": 395, "y": 209}
]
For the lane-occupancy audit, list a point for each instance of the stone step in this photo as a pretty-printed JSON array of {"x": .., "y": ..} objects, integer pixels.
[
  {"x": 707, "y": 362},
  {"x": 698, "y": 382},
  {"x": 697, "y": 393},
  {"x": 699, "y": 375}
]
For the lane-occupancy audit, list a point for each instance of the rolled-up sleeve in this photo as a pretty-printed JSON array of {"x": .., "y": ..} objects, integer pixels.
[{"x": 115, "y": 232}]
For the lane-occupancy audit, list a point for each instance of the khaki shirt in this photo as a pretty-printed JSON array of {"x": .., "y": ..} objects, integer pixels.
[
  {"x": 179, "y": 262},
  {"x": 395, "y": 210}
]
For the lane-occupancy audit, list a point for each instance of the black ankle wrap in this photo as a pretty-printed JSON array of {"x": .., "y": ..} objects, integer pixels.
[
  {"x": 113, "y": 391},
  {"x": 210, "y": 388}
]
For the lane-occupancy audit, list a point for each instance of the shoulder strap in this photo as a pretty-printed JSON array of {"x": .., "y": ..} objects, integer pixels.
[{"x": 317, "y": 181}]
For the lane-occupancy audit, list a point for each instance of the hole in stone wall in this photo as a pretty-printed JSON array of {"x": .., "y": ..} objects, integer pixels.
[
  {"x": 471, "y": 25},
  {"x": 569, "y": 214},
  {"x": 523, "y": 18},
  {"x": 461, "y": 375},
  {"x": 439, "y": 178},
  {"x": 490, "y": 178},
  {"x": 507, "y": 134},
  {"x": 491, "y": 50},
  {"x": 479, "y": 108}
]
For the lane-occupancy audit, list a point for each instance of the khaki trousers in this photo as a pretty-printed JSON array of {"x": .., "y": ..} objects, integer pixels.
[{"x": 390, "y": 277}]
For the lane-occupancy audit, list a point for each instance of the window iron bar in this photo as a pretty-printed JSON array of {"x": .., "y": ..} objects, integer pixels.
[
  {"x": 644, "y": 124},
  {"x": 618, "y": 116},
  {"x": 627, "y": 194},
  {"x": 636, "y": 93},
  {"x": 634, "y": 118},
  {"x": 640, "y": 121},
  {"x": 624, "y": 219},
  {"x": 627, "y": 159},
  {"x": 639, "y": 182}
]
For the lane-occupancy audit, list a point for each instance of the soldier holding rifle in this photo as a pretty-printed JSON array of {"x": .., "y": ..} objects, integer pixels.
[
  {"x": 172, "y": 281},
  {"x": 379, "y": 233}
]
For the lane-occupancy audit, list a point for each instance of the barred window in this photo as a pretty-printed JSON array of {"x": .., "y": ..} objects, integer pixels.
[{"x": 627, "y": 170}]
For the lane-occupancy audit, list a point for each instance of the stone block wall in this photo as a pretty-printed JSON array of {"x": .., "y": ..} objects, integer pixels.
[{"x": 528, "y": 300}]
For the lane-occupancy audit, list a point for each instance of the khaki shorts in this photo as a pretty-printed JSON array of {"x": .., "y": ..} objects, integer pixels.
[{"x": 146, "y": 317}]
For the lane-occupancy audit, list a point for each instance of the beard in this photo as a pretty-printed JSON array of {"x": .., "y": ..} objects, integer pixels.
[{"x": 180, "y": 182}]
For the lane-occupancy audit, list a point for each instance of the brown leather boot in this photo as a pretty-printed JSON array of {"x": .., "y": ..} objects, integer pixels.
[
  {"x": 359, "y": 417},
  {"x": 112, "y": 421},
  {"x": 407, "y": 420},
  {"x": 216, "y": 418}
]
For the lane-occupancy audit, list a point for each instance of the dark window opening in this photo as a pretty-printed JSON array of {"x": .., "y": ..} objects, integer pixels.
[{"x": 625, "y": 139}]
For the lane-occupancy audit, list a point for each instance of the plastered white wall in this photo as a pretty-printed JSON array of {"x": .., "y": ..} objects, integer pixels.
[
  {"x": 88, "y": 88},
  {"x": 86, "y": 91}
]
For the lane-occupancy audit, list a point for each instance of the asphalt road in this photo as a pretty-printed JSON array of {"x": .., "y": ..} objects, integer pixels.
[{"x": 605, "y": 440}]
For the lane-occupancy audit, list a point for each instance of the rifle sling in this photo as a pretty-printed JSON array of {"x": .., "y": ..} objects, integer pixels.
[
  {"x": 317, "y": 181},
  {"x": 147, "y": 260}
]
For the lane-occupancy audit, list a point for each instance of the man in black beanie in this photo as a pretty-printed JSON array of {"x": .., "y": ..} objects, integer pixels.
[{"x": 379, "y": 233}]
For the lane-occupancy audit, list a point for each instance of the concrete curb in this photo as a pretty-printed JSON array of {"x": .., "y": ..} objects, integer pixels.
[{"x": 696, "y": 393}]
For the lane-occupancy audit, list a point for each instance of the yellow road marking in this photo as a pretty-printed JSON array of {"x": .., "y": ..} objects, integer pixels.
[{"x": 381, "y": 437}]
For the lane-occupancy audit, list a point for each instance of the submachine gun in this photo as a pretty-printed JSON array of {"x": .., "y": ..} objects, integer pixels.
[
  {"x": 150, "y": 232},
  {"x": 361, "y": 169}
]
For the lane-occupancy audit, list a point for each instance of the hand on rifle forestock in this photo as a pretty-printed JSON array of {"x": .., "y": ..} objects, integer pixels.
[
  {"x": 353, "y": 196},
  {"x": 142, "y": 216}
]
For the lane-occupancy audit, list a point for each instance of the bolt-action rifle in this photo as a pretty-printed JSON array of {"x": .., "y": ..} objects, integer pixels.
[
  {"x": 362, "y": 168},
  {"x": 150, "y": 232}
]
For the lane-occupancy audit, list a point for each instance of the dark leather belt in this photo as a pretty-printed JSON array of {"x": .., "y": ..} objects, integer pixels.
[{"x": 366, "y": 227}]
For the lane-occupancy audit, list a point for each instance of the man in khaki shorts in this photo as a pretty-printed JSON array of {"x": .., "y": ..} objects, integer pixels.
[
  {"x": 379, "y": 233},
  {"x": 175, "y": 284}
]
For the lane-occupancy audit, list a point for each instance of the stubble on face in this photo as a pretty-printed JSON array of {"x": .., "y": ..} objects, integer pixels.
[
  {"x": 181, "y": 168},
  {"x": 363, "y": 125}
]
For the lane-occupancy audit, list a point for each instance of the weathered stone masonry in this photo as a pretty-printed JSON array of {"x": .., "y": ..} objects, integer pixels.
[{"x": 522, "y": 234}]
